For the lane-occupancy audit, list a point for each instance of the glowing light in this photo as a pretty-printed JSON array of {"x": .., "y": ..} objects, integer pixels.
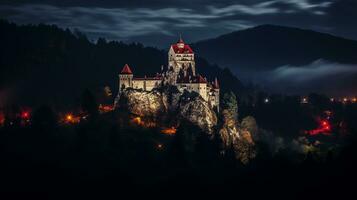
[
  {"x": 137, "y": 120},
  {"x": 169, "y": 131},
  {"x": 345, "y": 99},
  {"x": 2, "y": 119},
  {"x": 105, "y": 108},
  {"x": 354, "y": 100},
  {"x": 69, "y": 117},
  {"x": 266, "y": 100},
  {"x": 160, "y": 146},
  {"x": 324, "y": 129},
  {"x": 332, "y": 99},
  {"x": 304, "y": 100},
  {"x": 25, "y": 115}
]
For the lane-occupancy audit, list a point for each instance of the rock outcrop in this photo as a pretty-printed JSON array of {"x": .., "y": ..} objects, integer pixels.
[
  {"x": 169, "y": 101},
  {"x": 143, "y": 103},
  {"x": 198, "y": 111}
]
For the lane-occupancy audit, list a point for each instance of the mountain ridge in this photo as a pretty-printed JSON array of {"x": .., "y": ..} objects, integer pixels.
[{"x": 279, "y": 58}]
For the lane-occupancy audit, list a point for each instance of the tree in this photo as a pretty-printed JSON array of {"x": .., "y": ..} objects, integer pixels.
[
  {"x": 249, "y": 124},
  {"x": 229, "y": 103},
  {"x": 89, "y": 104},
  {"x": 44, "y": 118}
]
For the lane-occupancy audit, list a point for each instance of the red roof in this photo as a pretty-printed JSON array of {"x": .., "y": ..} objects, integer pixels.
[
  {"x": 200, "y": 79},
  {"x": 126, "y": 70},
  {"x": 186, "y": 49}
]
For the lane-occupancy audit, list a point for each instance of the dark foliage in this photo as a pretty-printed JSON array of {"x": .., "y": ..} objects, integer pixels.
[
  {"x": 46, "y": 64},
  {"x": 268, "y": 46}
]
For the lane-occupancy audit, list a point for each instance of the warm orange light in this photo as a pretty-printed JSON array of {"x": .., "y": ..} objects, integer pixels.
[
  {"x": 159, "y": 146},
  {"x": 169, "y": 131},
  {"x": 106, "y": 108},
  {"x": 137, "y": 120},
  {"x": 69, "y": 117}
]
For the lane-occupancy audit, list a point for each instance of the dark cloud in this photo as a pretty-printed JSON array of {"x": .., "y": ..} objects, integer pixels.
[
  {"x": 322, "y": 76},
  {"x": 137, "y": 19}
]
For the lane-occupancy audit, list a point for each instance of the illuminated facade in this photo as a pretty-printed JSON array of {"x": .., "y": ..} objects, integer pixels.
[{"x": 181, "y": 71}]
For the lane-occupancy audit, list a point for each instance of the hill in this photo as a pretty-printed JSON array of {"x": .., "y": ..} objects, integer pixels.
[
  {"x": 46, "y": 64},
  {"x": 266, "y": 48}
]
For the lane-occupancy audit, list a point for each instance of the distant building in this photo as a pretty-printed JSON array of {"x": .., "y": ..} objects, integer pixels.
[{"x": 181, "y": 71}]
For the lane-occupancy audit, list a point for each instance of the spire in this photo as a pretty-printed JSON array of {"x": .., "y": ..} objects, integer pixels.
[
  {"x": 180, "y": 40},
  {"x": 126, "y": 70},
  {"x": 180, "y": 43},
  {"x": 216, "y": 85}
]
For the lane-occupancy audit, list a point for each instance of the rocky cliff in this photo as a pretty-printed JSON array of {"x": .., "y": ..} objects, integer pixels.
[{"x": 169, "y": 101}]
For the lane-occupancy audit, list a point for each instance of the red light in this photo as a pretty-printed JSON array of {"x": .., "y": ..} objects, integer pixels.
[
  {"x": 324, "y": 129},
  {"x": 25, "y": 115}
]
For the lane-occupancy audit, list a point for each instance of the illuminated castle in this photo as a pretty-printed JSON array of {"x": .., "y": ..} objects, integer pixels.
[{"x": 181, "y": 72}]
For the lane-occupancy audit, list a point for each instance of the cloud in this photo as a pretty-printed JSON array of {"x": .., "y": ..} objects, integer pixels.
[
  {"x": 124, "y": 23},
  {"x": 256, "y": 9},
  {"x": 272, "y": 7},
  {"x": 321, "y": 76},
  {"x": 317, "y": 70}
]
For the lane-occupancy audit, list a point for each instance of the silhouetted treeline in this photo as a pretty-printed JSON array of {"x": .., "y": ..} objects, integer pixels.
[
  {"x": 46, "y": 64},
  {"x": 101, "y": 154}
]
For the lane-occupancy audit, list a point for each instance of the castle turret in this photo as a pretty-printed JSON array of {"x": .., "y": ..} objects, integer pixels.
[
  {"x": 125, "y": 78},
  {"x": 181, "y": 56},
  {"x": 202, "y": 87},
  {"x": 216, "y": 92}
]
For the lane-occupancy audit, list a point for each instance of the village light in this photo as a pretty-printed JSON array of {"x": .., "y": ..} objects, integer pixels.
[
  {"x": 169, "y": 131},
  {"x": 304, "y": 100},
  {"x": 69, "y": 117},
  {"x": 25, "y": 115},
  {"x": 266, "y": 100}
]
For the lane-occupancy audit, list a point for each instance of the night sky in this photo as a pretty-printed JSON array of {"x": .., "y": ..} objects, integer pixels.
[{"x": 158, "y": 22}]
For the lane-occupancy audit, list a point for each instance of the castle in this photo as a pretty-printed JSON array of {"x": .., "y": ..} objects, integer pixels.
[{"x": 181, "y": 72}]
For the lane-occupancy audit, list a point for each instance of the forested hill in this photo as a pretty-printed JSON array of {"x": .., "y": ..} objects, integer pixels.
[
  {"x": 266, "y": 47},
  {"x": 46, "y": 64}
]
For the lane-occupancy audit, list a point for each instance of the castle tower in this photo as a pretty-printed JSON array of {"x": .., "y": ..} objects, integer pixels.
[
  {"x": 216, "y": 92},
  {"x": 202, "y": 87},
  {"x": 182, "y": 57},
  {"x": 125, "y": 78}
]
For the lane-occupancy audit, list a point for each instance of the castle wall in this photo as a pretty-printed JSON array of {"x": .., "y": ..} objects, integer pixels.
[
  {"x": 138, "y": 84},
  {"x": 146, "y": 84},
  {"x": 200, "y": 88}
]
